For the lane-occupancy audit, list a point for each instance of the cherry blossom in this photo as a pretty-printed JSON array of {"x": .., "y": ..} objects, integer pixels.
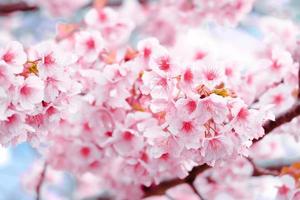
[
  {"x": 30, "y": 92},
  {"x": 285, "y": 190},
  {"x": 14, "y": 55},
  {"x": 89, "y": 45}
]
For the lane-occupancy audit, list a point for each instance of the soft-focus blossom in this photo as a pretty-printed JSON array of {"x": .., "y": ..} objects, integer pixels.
[
  {"x": 62, "y": 8},
  {"x": 89, "y": 45},
  {"x": 31, "y": 92},
  {"x": 14, "y": 55}
]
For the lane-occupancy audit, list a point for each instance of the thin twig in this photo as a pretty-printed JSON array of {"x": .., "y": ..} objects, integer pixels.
[
  {"x": 164, "y": 186},
  {"x": 41, "y": 181},
  {"x": 260, "y": 171},
  {"x": 196, "y": 191}
]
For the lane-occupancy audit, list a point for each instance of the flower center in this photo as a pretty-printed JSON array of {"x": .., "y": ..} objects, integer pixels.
[
  {"x": 187, "y": 127},
  {"x": 90, "y": 44},
  {"x": 127, "y": 136},
  {"x": 164, "y": 64},
  {"x": 8, "y": 57},
  {"x": 25, "y": 90},
  {"x": 188, "y": 76},
  {"x": 85, "y": 151}
]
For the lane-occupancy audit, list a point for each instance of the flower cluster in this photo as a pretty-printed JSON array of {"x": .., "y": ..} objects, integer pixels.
[
  {"x": 151, "y": 110},
  {"x": 173, "y": 16},
  {"x": 156, "y": 116},
  {"x": 139, "y": 115},
  {"x": 223, "y": 11}
]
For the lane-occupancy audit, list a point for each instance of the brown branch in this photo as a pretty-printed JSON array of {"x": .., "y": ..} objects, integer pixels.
[
  {"x": 196, "y": 191},
  {"x": 40, "y": 182},
  {"x": 13, "y": 7},
  {"x": 269, "y": 127},
  {"x": 260, "y": 171},
  {"x": 25, "y": 7},
  {"x": 143, "y": 2},
  {"x": 299, "y": 83},
  {"x": 164, "y": 186}
]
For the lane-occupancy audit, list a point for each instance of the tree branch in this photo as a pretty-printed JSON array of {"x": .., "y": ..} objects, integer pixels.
[
  {"x": 269, "y": 127},
  {"x": 196, "y": 191},
  {"x": 25, "y": 7},
  {"x": 260, "y": 171},
  {"x": 40, "y": 182},
  {"x": 299, "y": 83},
  {"x": 13, "y": 7},
  {"x": 164, "y": 186}
]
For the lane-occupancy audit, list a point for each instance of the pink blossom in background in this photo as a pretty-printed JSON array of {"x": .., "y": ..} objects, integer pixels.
[{"x": 62, "y": 7}]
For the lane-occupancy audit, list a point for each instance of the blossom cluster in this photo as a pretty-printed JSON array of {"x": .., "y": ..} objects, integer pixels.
[
  {"x": 173, "y": 16},
  {"x": 139, "y": 115},
  {"x": 224, "y": 11}
]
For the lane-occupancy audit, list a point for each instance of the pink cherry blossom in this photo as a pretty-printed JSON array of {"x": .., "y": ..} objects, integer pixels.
[
  {"x": 246, "y": 120},
  {"x": 31, "y": 92},
  {"x": 97, "y": 18},
  {"x": 14, "y": 55},
  {"x": 213, "y": 107},
  {"x": 6, "y": 75},
  {"x": 89, "y": 45},
  {"x": 285, "y": 190},
  {"x": 186, "y": 126},
  {"x": 148, "y": 47},
  {"x": 163, "y": 64},
  {"x": 12, "y": 128},
  {"x": 210, "y": 73}
]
